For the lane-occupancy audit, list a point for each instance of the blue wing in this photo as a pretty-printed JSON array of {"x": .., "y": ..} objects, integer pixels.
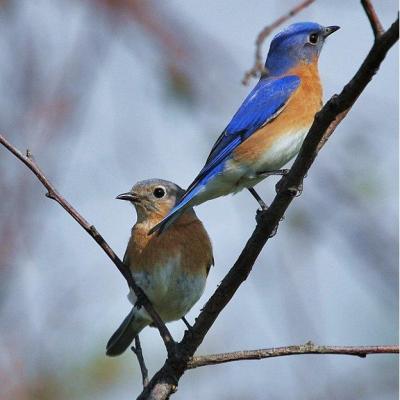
[{"x": 264, "y": 103}]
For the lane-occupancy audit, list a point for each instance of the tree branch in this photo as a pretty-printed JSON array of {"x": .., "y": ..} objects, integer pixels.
[
  {"x": 373, "y": 18},
  {"x": 258, "y": 66},
  {"x": 137, "y": 349},
  {"x": 165, "y": 381},
  {"x": 53, "y": 194},
  {"x": 308, "y": 348}
]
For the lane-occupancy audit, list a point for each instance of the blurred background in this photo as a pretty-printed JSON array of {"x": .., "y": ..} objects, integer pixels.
[{"x": 109, "y": 92}]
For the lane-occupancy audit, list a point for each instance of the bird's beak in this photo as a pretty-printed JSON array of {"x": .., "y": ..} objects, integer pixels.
[
  {"x": 328, "y": 30},
  {"x": 128, "y": 196}
]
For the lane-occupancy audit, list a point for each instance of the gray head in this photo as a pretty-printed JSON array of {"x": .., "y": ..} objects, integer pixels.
[{"x": 153, "y": 198}]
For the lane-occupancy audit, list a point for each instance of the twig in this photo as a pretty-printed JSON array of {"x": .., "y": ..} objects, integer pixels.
[
  {"x": 53, "y": 194},
  {"x": 258, "y": 66},
  {"x": 373, "y": 18},
  {"x": 165, "y": 381},
  {"x": 308, "y": 348},
  {"x": 137, "y": 349}
]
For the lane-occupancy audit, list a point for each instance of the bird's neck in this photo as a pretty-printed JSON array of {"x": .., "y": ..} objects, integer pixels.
[
  {"x": 145, "y": 224},
  {"x": 282, "y": 66},
  {"x": 305, "y": 71}
]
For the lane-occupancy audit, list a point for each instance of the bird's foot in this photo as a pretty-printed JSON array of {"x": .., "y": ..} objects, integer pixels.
[
  {"x": 260, "y": 201},
  {"x": 139, "y": 302},
  {"x": 295, "y": 191},
  {"x": 259, "y": 214},
  {"x": 185, "y": 321}
]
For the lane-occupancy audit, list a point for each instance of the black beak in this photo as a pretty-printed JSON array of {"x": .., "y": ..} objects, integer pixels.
[
  {"x": 128, "y": 196},
  {"x": 329, "y": 30}
]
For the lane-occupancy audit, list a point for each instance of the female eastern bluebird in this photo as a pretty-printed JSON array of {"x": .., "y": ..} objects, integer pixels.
[
  {"x": 269, "y": 128},
  {"x": 171, "y": 269}
]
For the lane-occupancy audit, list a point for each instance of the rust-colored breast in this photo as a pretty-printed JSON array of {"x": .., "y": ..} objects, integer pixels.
[
  {"x": 187, "y": 239},
  {"x": 299, "y": 113}
]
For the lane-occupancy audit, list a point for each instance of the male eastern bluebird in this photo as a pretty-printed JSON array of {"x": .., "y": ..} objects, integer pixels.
[
  {"x": 269, "y": 128},
  {"x": 171, "y": 269}
]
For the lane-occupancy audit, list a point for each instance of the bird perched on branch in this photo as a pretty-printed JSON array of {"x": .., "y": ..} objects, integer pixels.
[
  {"x": 269, "y": 128},
  {"x": 171, "y": 269}
]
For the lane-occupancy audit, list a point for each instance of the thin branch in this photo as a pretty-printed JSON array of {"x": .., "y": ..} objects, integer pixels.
[
  {"x": 165, "y": 381},
  {"x": 308, "y": 348},
  {"x": 137, "y": 349},
  {"x": 373, "y": 18},
  {"x": 53, "y": 194},
  {"x": 258, "y": 66}
]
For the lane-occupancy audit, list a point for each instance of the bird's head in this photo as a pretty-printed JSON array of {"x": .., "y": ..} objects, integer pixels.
[
  {"x": 152, "y": 198},
  {"x": 298, "y": 43}
]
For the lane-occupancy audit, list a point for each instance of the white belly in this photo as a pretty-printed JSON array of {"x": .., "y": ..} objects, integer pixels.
[
  {"x": 171, "y": 291},
  {"x": 236, "y": 177}
]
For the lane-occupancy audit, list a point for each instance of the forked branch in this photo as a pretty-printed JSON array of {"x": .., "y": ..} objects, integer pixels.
[
  {"x": 165, "y": 381},
  {"x": 373, "y": 18},
  {"x": 52, "y": 193}
]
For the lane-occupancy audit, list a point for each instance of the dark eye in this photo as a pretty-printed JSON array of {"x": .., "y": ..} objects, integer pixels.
[
  {"x": 159, "y": 192},
  {"x": 313, "y": 38}
]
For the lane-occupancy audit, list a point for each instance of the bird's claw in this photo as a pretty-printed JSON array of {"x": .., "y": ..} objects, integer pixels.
[
  {"x": 259, "y": 214},
  {"x": 295, "y": 191},
  {"x": 139, "y": 302},
  {"x": 274, "y": 232},
  {"x": 188, "y": 326}
]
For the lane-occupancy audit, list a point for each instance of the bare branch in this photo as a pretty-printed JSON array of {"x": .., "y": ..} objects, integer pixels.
[
  {"x": 166, "y": 379},
  {"x": 258, "y": 67},
  {"x": 308, "y": 348},
  {"x": 53, "y": 194},
  {"x": 373, "y": 18},
  {"x": 137, "y": 349}
]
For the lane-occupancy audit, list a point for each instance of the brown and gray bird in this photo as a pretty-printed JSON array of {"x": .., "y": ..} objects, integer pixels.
[{"x": 171, "y": 268}]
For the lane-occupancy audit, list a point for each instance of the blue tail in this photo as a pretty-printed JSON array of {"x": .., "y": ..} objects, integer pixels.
[
  {"x": 177, "y": 210},
  {"x": 193, "y": 190}
]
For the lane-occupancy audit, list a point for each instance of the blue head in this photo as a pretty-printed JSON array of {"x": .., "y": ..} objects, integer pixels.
[{"x": 301, "y": 42}]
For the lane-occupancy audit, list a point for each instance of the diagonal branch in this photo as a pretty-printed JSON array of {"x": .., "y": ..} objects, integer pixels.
[
  {"x": 258, "y": 67},
  {"x": 137, "y": 349},
  {"x": 373, "y": 18},
  {"x": 308, "y": 348},
  {"x": 53, "y": 194},
  {"x": 165, "y": 381}
]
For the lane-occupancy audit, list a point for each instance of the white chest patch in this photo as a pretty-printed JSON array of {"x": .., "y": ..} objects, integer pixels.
[
  {"x": 172, "y": 291},
  {"x": 281, "y": 152}
]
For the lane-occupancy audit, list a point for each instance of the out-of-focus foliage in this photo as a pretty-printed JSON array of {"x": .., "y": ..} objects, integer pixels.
[{"x": 108, "y": 92}]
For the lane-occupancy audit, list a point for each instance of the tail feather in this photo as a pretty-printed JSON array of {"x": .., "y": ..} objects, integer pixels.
[
  {"x": 124, "y": 335},
  {"x": 176, "y": 211}
]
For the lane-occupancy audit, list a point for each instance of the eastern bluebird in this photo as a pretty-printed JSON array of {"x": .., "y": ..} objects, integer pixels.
[
  {"x": 269, "y": 128},
  {"x": 171, "y": 269}
]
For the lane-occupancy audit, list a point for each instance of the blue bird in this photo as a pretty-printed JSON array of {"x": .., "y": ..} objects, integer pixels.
[{"x": 269, "y": 127}]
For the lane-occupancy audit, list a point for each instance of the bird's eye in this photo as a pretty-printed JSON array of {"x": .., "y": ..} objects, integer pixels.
[
  {"x": 313, "y": 38},
  {"x": 159, "y": 192}
]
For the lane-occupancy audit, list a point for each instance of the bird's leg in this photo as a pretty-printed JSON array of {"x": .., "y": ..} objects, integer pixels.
[
  {"x": 190, "y": 328},
  {"x": 265, "y": 174},
  {"x": 258, "y": 198},
  {"x": 260, "y": 201}
]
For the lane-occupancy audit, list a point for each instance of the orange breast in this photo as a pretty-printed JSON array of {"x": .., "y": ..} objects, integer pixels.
[
  {"x": 299, "y": 113},
  {"x": 186, "y": 238}
]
